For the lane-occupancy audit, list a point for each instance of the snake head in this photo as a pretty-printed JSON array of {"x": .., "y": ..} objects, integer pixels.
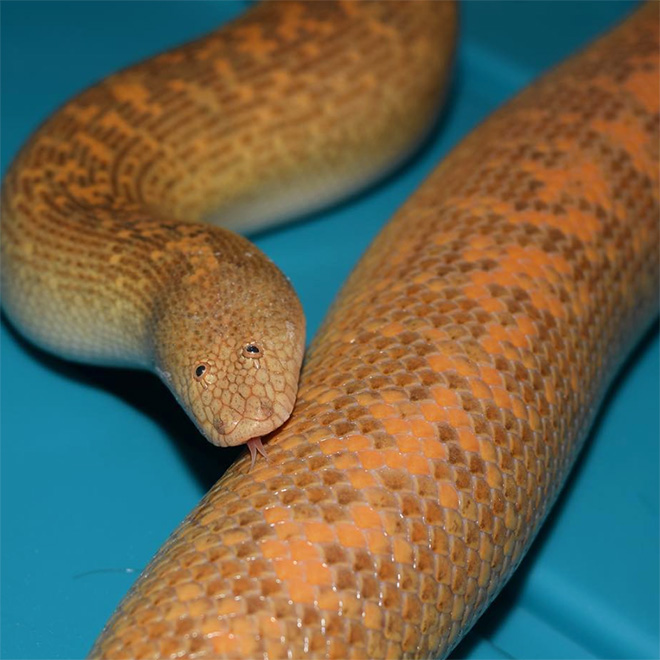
[{"x": 230, "y": 350}]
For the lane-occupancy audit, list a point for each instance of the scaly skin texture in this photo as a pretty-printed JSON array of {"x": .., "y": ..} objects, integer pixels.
[
  {"x": 445, "y": 398},
  {"x": 275, "y": 114}
]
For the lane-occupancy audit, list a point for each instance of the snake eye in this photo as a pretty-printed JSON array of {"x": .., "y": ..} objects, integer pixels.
[
  {"x": 200, "y": 370},
  {"x": 252, "y": 351}
]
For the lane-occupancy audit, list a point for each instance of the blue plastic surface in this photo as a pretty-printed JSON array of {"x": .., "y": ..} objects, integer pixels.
[{"x": 98, "y": 466}]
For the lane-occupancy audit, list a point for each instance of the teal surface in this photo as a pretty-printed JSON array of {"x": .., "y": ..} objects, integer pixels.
[{"x": 98, "y": 466}]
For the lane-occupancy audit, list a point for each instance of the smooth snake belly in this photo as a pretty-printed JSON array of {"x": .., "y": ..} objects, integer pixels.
[{"x": 349, "y": 502}]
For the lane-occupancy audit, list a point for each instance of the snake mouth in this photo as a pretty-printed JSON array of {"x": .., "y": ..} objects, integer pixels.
[{"x": 247, "y": 429}]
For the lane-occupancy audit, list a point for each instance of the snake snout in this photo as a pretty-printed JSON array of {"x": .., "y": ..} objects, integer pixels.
[{"x": 261, "y": 418}]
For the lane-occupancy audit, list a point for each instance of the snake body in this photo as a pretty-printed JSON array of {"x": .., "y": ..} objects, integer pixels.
[
  {"x": 102, "y": 258},
  {"x": 445, "y": 398}
]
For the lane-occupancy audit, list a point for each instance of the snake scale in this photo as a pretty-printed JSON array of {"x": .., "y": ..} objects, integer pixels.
[{"x": 445, "y": 398}]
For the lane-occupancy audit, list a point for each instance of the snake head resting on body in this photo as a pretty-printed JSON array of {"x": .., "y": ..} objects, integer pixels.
[{"x": 229, "y": 341}]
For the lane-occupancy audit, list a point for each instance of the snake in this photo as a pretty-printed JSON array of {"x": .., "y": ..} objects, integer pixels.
[{"x": 445, "y": 398}]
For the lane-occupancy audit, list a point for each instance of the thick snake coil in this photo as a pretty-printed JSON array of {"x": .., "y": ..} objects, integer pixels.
[
  {"x": 288, "y": 108},
  {"x": 447, "y": 394}
]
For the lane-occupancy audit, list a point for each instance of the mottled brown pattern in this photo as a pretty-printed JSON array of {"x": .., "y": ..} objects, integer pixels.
[
  {"x": 288, "y": 107},
  {"x": 445, "y": 398}
]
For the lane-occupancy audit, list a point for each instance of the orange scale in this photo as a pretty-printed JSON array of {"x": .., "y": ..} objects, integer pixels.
[
  {"x": 491, "y": 376},
  {"x": 394, "y": 460},
  {"x": 466, "y": 367},
  {"x": 247, "y": 646},
  {"x": 346, "y": 460},
  {"x": 475, "y": 292},
  {"x": 526, "y": 325},
  {"x": 328, "y": 600},
  {"x": 365, "y": 517},
  {"x": 432, "y": 412},
  {"x": 444, "y": 396},
  {"x": 332, "y": 446},
  {"x": 364, "y": 398},
  {"x": 420, "y": 429},
  {"x": 355, "y": 442},
  {"x": 371, "y": 459},
  {"x": 402, "y": 551},
  {"x": 432, "y": 448},
  {"x": 378, "y": 541},
  {"x": 534, "y": 420},
  {"x": 189, "y": 591},
  {"x": 510, "y": 351},
  {"x": 350, "y": 536},
  {"x": 382, "y": 411},
  {"x": 292, "y": 442},
  {"x": 361, "y": 479},
  {"x": 317, "y": 532},
  {"x": 314, "y": 393},
  {"x": 458, "y": 417},
  {"x": 395, "y": 426},
  {"x": 408, "y": 409},
  {"x": 448, "y": 496},
  {"x": 270, "y": 628},
  {"x": 505, "y": 277},
  {"x": 492, "y": 346},
  {"x": 578, "y": 306},
  {"x": 276, "y": 514},
  {"x": 175, "y": 611},
  {"x": 501, "y": 398},
  {"x": 212, "y": 627},
  {"x": 479, "y": 388},
  {"x": 440, "y": 363},
  {"x": 372, "y": 616},
  {"x": 480, "y": 241},
  {"x": 229, "y": 605},
  {"x": 492, "y": 305},
  {"x": 516, "y": 337},
  {"x": 303, "y": 550},
  {"x": 287, "y": 530},
  {"x": 316, "y": 436},
  {"x": 392, "y": 329},
  {"x": 287, "y": 569},
  {"x": 318, "y": 574},
  {"x": 444, "y": 237},
  {"x": 434, "y": 335},
  {"x": 468, "y": 440},
  {"x": 557, "y": 308},
  {"x": 519, "y": 408},
  {"x": 498, "y": 332},
  {"x": 416, "y": 464},
  {"x": 337, "y": 649},
  {"x": 540, "y": 300},
  {"x": 225, "y": 645},
  {"x": 493, "y": 475},
  {"x": 265, "y": 472},
  {"x": 407, "y": 443},
  {"x": 422, "y": 278},
  {"x": 473, "y": 255},
  {"x": 199, "y": 607},
  {"x": 586, "y": 226},
  {"x": 393, "y": 395}
]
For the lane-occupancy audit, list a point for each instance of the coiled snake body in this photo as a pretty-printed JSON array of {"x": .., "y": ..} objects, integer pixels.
[{"x": 446, "y": 397}]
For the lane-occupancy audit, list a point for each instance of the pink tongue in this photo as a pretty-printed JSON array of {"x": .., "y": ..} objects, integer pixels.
[{"x": 255, "y": 445}]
